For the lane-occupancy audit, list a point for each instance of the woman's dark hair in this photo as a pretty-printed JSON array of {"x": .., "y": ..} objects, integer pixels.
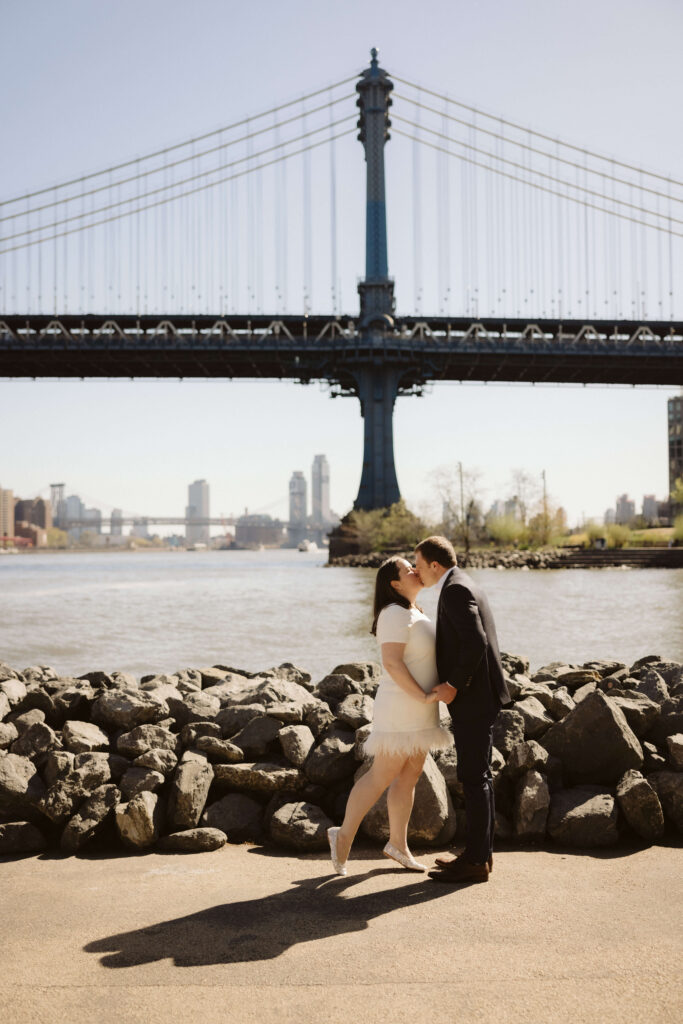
[{"x": 384, "y": 592}]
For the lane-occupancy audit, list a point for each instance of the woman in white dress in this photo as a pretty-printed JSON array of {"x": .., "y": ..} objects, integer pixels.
[{"x": 406, "y": 715}]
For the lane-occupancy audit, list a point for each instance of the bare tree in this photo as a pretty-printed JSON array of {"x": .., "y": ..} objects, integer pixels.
[{"x": 459, "y": 491}]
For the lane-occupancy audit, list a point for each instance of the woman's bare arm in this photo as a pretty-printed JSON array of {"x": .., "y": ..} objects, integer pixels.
[{"x": 392, "y": 660}]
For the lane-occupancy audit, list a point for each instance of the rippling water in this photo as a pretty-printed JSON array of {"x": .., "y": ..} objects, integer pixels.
[{"x": 149, "y": 611}]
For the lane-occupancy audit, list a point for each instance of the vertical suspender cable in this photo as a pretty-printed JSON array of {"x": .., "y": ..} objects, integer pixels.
[
  {"x": 417, "y": 220},
  {"x": 308, "y": 241},
  {"x": 333, "y": 216}
]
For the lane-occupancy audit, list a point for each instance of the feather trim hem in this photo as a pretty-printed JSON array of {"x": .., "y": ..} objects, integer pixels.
[{"x": 408, "y": 743}]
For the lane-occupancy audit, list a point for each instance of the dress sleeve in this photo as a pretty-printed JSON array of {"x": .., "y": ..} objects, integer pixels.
[{"x": 393, "y": 625}]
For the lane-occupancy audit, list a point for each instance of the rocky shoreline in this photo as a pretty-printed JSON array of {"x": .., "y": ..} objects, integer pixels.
[
  {"x": 585, "y": 756},
  {"x": 547, "y": 558}
]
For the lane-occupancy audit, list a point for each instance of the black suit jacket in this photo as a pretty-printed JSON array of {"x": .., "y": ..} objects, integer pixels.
[{"x": 467, "y": 654}]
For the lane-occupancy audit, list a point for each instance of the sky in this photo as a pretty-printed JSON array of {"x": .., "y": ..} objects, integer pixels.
[{"x": 112, "y": 80}]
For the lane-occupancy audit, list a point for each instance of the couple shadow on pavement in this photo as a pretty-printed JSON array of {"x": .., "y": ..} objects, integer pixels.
[{"x": 263, "y": 928}]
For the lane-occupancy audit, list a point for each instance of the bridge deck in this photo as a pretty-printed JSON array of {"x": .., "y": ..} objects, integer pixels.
[{"x": 312, "y": 348}]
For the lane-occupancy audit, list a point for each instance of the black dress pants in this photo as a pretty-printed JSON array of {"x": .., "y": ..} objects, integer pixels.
[{"x": 473, "y": 743}]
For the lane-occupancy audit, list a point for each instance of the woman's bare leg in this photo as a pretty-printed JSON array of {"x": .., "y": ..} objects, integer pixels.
[
  {"x": 400, "y": 800},
  {"x": 364, "y": 794}
]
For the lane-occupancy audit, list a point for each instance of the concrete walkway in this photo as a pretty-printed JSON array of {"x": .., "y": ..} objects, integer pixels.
[{"x": 243, "y": 935}]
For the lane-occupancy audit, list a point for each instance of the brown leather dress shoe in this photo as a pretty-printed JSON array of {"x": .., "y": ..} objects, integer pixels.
[
  {"x": 443, "y": 862},
  {"x": 459, "y": 871}
]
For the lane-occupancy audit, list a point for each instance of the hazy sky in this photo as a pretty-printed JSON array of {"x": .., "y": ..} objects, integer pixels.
[{"x": 90, "y": 83}]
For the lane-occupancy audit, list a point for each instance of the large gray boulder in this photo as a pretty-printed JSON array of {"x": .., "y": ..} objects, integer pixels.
[
  {"x": 146, "y": 737},
  {"x": 583, "y": 817},
  {"x": 640, "y": 711},
  {"x": 232, "y": 719},
  {"x": 257, "y": 736},
  {"x": 536, "y": 718},
  {"x": 670, "y": 720},
  {"x": 239, "y": 816},
  {"x": 653, "y": 686},
  {"x": 21, "y": 787},
  {"x": 260, "y": 777},
  {"x": 594, "y": 742},
  {"x": 90, "y": 771},
  {"x": 669, "y": 788},
  {"x": 219, "y": 751},
  {"x": 162, "y": 761},
  {"x": 674, "y": 747},
  {"x": 122, "y": 709},
  {"x": 335, "y": 687},
  {"x": 36, "y": 741},
  {"x": 447, "y": 763},
  {"x": 139, "y": 821},
  {"x": 574, "y": 678},
  {"x": 332, "y": 759},
  {"x": 8, "y": 734},
  {"x": 138, "y": 779},
  {"x": 82, "y": 737},
  {"x": 525, "y": 757},
  {"x": 532, "y": 804},
  {"x": 433, "y": 817},
  {"x": 20, "y": 837},
  {"x": 640, "y": 806},
  {"x": 296, "y": 742},
  {"x": 319, "y": 719},
  {"x": 193, "y": 840},
  {"x": 195, "y": 706},
  {"x": 300, "y": 826},
  {"x": 188, "y": 792},
  {"x": 355, "y": 710},
  {"x": 508, "y": 730},
  {"x": 14, "y": 690},
  {"x": 92, "y": 816}
]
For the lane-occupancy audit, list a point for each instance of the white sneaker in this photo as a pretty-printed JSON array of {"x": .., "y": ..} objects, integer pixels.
[
  {"x": 332, "y": 834},
  {"x": 406, "y": 860}
]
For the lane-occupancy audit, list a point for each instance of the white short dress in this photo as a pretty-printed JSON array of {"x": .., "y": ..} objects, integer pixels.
[{"x": 401, "y": 724}]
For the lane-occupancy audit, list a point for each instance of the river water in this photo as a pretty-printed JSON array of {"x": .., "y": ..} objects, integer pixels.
[{"x": 157, "y": 611}]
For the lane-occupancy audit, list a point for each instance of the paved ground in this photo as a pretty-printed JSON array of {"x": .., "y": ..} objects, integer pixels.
[{"x": 240, "y": 935}]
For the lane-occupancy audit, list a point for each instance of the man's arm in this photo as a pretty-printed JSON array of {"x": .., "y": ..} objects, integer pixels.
[{"x": 461, "y": 615}]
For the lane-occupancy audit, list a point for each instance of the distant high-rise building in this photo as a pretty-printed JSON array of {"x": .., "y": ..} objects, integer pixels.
[
  {"x": 73, "y": 509},
  {"x": 625, "y": 510},
  {"x": 513, "y": 508},
  {"x": 675, "y": 411},
  {"x": 650, "y": 508},
  {"x": 320, "y": 491},
  {"x": 298, "y": 508},
  {"x": 116, "y": 528},
  {"x": 35, "y": 511},
  {"x": 197, "y": 508},
  {"x": 94, "y": 517},
  {"x": 610, "y": 517},
  {"x": 6, "y": 513}
]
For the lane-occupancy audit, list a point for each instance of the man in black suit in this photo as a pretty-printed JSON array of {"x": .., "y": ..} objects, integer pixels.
[{"x": 472, "y": 684}]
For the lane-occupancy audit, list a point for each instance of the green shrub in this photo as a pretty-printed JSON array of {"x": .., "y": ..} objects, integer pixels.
[
  {"x": 618, "y": 536},
  {"x": 678, "y": 529},
  {"x": 507, "y": 530}
]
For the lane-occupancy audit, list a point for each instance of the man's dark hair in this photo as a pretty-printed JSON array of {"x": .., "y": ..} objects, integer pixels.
[{"x": 438, "y": 549}]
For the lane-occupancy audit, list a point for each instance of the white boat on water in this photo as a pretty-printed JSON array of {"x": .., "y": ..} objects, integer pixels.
[{"x": 308, "y": 545}]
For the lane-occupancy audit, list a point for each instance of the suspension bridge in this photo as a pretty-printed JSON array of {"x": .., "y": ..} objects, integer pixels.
[{"x": 231, "y": 254}]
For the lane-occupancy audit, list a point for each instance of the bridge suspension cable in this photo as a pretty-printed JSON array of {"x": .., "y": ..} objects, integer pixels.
[
  {"x": 178, "y": 145},
  {"x": 539, "y": 135}
]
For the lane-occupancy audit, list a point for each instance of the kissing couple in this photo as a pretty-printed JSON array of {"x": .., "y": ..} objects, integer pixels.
[{"x": 456, "y": 662}]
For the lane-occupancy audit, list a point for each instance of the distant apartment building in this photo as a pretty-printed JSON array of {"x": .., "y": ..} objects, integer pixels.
[
  {"x": 6, "y": 513},
  {"x": 625, "y": 510},
  {"x": 320, "y": 491},
  {"x": 513, "y": 508},
  {"x": 74, "y": 509},
  {"x": 116, "y": 528},
  {"x": 497, "y": 510},
  {"x": 35, "y": 511},
  {"x": 197, "y": 508},
  {"x": 298, "y": 508},
  {"x": 94, "y": 517},
  {"x": 650, "y": 508},
  {"x": 610, "y": 517},
  {"x": 675, "y": 418}
]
